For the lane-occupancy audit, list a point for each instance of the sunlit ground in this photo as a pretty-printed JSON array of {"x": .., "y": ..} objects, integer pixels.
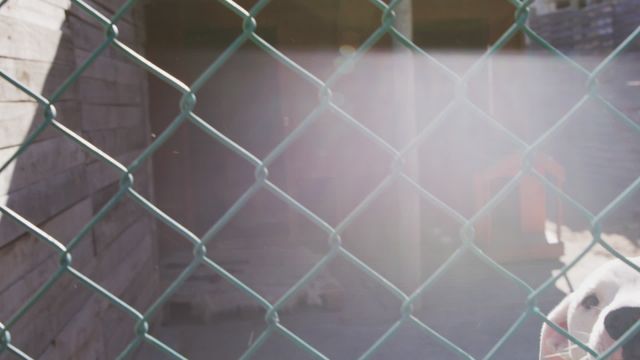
[{"x": 576, "y": 241}]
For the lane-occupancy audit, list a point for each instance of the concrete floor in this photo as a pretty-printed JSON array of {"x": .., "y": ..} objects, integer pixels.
[{"x": 471, "y": 305}]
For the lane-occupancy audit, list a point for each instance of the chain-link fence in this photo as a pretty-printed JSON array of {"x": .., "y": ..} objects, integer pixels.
[{"x": 250, "y": 22}]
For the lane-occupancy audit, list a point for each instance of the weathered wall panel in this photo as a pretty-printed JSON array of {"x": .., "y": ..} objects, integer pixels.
[{"x": 59, "y": 186}]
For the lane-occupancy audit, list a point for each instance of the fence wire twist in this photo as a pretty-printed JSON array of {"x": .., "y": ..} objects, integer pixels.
[{"x": 186, "y": 114}]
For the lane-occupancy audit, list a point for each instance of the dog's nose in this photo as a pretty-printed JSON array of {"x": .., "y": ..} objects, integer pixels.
[{"x": 618, "y": 321}]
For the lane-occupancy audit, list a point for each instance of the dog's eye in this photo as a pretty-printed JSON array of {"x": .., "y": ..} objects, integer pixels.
[{"x": 590, "y": 301}]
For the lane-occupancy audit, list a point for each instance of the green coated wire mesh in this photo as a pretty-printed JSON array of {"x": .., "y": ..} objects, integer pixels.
[{"x": 189, "y": 93}]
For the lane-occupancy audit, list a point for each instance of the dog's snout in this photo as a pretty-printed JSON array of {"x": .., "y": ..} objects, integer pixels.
[{"x": 618, "y": 321}]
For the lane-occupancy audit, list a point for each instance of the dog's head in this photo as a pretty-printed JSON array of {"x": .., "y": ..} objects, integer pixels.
[{"x": 599, "y": 312}]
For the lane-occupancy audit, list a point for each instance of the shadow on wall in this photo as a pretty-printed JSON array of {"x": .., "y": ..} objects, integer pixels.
[{"x": 58, "y": 186}]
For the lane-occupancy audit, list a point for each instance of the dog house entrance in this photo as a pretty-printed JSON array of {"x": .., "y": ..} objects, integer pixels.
[{"x": 526, "y": 224}]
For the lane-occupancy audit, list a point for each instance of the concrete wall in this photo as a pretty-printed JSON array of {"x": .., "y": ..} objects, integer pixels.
[{"x": 603, "y": 154}]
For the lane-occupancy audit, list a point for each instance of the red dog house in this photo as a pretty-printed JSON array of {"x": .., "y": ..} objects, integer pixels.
[{"x": 518, "y": 229}]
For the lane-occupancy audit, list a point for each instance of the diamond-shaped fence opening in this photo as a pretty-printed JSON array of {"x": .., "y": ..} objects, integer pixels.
[
  {"x": 519, "y": 98},
  {"x": 100, "y": 61},
  {"x": 605, "y": 130},
  {"x": 338, "y": 167}
]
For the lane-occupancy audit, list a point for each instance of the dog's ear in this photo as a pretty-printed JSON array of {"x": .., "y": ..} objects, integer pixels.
[{"x": 553, "y": 345}]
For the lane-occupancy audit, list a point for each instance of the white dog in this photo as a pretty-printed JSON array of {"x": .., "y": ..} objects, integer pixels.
[{"x": 599, "y": 312}]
